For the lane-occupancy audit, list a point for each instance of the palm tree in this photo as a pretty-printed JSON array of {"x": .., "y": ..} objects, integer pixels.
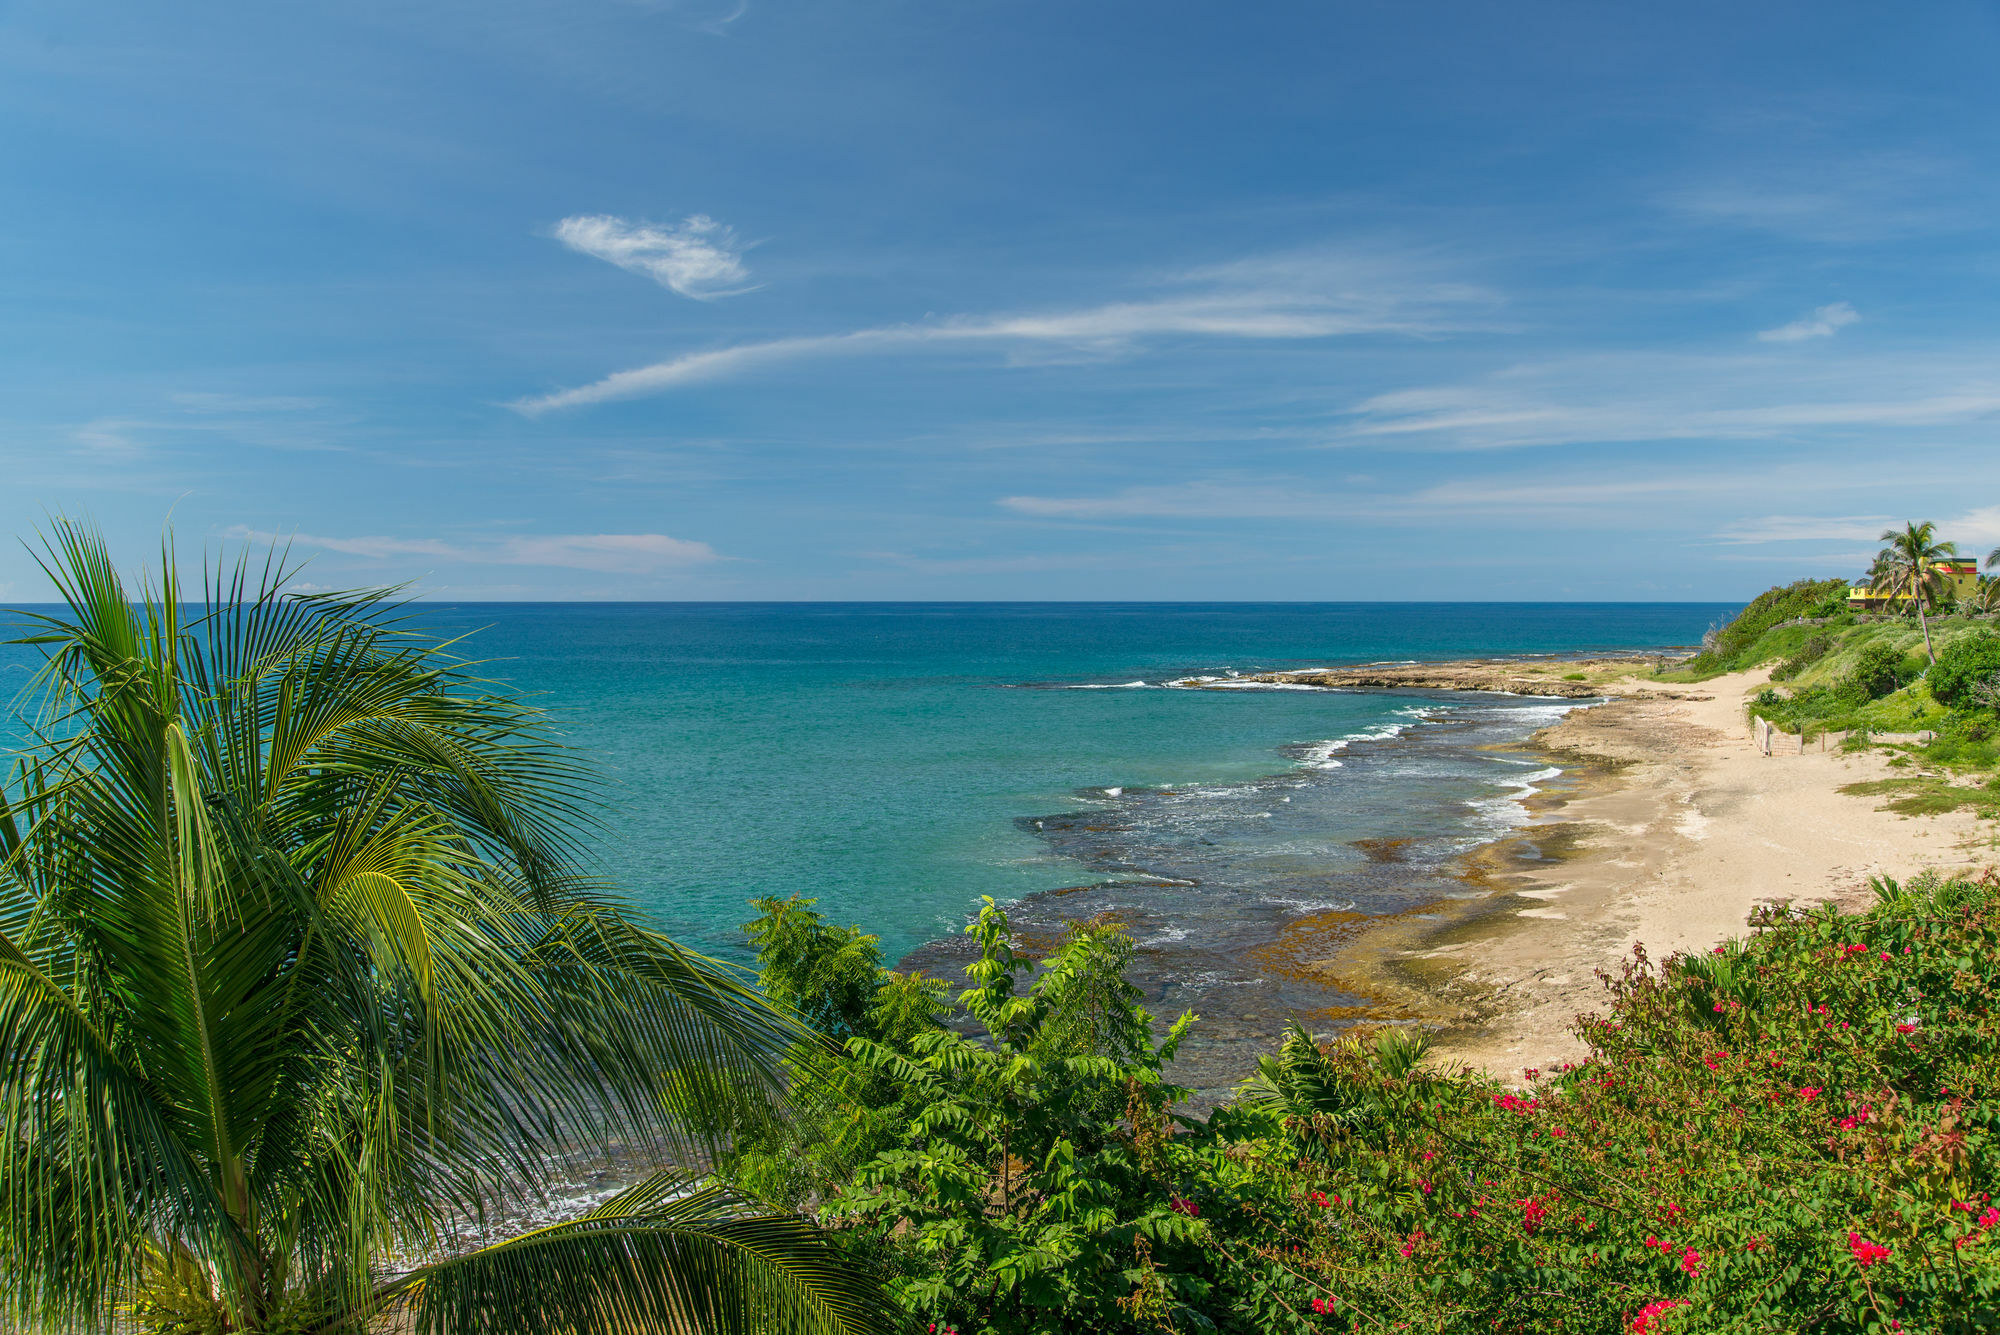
[
  {"x": 1987, "y": 598},
  {"x": 300, "y": 984},
  {"x": 1907, "y": 568}
]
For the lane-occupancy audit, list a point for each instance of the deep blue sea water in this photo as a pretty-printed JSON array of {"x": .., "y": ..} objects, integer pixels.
[{"x": 898, "y": 761}]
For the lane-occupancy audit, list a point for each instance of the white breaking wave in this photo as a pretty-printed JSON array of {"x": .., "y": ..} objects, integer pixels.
[
  {"x": 1108, "y": 686},
  {"x": 1320, "y": 755},
  {"x": 1309, "y": 905},
  {"x": 1510, "y": 810},
  {"x": 1234, "y": 684}
]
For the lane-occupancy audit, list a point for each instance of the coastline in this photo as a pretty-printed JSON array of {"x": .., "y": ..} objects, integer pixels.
[
  {"x": 1580, "y": 677},
  {"x": 1667, "y": 829}
]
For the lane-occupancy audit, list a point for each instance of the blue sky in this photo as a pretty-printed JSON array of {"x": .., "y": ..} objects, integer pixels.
[{"x": 967, "y": 299}]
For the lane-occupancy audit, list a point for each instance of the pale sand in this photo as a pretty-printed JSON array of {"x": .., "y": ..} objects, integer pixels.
[{"x": 1675, "y": 827}]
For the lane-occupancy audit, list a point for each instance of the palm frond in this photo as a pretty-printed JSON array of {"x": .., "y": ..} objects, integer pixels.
[
  {"x": 301, "y": 963},
  {"x": 663, "y": 1256}
]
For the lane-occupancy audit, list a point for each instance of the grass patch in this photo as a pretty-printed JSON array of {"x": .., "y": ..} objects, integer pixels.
[{"x": 1929, "y": 795}]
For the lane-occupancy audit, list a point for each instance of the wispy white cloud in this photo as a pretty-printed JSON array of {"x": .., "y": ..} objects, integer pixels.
[
  {"x": 1806, "y": 528},
  {"x": 279, "y": 422},
  {"x": 1630, "y": 397},
  {"x": 1840, "y": 197},
  {"x": 717, "y": 24},
  {"x": 710, "y": 16},
  {"x": 1194, "y": 500},
  {"x": 1975, "y": 528},
  {"x": 697, "y": 257},
  {"x": 112, "y": 437},
  {"x": 212, "y": 402},
  {"x": 1273, "y": 300},
  {"x": 611, "y": 553},
  {"x": 1824, "y": 322},
  {"x": 1239, "y": 498},
  {"x": 1972, "y": 530},
  {"x": 628, "y": 553}
]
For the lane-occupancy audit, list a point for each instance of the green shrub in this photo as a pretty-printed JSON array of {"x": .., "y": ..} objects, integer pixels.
[
  {"x": 1962, "y": 667},
  {"x": 1804, "y": 657},
  {"x": 1879, "y": 670}
]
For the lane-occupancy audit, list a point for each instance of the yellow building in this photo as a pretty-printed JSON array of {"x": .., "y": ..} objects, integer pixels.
[{"x": 1958, "y": 574}]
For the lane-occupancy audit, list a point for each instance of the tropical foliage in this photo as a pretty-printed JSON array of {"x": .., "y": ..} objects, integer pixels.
[
  {"x": 301, "y": 982},
  {"x": 1795, "y": 1132},
  {"x": 1967, "y": 675},
  {"x": 1907, "y": 567}
]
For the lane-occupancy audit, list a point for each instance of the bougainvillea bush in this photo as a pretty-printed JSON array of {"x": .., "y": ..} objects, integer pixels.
[
  {"x": 1792, "y": 1133},
  {"x": 1795, "y": 1132}
]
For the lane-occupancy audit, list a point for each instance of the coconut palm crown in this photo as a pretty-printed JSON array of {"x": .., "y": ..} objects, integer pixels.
[
  {"x": 1906, "y": 567},
  {"x": 301, "y": 986}
]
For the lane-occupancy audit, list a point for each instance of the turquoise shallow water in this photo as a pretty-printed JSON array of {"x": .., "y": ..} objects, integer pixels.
[
  {"x": 882, "y": 757},
  {"x": 898, "y": 761}
]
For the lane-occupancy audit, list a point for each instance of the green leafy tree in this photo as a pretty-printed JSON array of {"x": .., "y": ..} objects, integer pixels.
[
  {"x": 844, "y": 1111},
  {"x": 300, "y": 982},
  {"x": 1908, "y": 568},
  {"x": 1040, "y": 1185}
]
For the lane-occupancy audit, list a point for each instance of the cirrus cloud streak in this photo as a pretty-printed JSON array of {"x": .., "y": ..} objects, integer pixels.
[
  {"x": 1301, "y": 298},
  {"x": 608, "y": 553}
]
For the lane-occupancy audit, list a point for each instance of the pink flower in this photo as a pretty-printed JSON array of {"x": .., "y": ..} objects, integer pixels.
[
  {"x": 1182, "y": 1205},
  {"x": 1652, "y": 1311},
  {"x": 1885, "y": 954},
  {"x": 1865, "y": 1253},
  {"x": 1691, "y": 1262},
  {"x": 1323, "y": 1305},
  {"x": 1533, "y": 1212},
  {"x": 1906, "y": 1029},
  {"x": 1319, "y": 1198},
  {"x": 1989, "y": 1219}
]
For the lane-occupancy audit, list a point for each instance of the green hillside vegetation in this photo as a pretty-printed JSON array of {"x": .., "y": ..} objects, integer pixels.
[
  {"x": 1739, "y": 644},
  {"x": 1864, "y": 679}
]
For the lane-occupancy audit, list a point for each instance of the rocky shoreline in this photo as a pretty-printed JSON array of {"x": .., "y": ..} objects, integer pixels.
[{"x": 1567, "y": 679}]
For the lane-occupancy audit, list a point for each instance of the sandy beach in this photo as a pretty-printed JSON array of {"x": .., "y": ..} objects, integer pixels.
[{"x": 1669, "y": 827}]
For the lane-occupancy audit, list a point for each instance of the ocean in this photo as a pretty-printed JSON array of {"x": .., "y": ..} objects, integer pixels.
[{"x": 897, "y": 762}]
